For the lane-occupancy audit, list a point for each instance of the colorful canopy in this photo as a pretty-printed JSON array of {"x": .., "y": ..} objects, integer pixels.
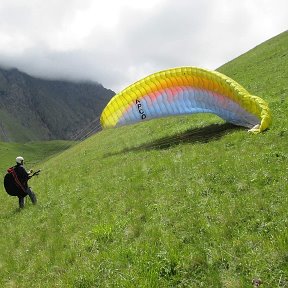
[{"x": 187, "y": 90}]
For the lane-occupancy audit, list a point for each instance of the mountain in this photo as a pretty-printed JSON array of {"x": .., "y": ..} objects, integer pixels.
[{"x": 37, "y": 109}]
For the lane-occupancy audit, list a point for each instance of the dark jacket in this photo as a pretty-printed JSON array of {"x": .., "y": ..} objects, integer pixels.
[{"x": 22, "y": 175}]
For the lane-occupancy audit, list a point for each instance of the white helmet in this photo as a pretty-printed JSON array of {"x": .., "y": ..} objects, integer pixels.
[{"x": 19, "y": 160}]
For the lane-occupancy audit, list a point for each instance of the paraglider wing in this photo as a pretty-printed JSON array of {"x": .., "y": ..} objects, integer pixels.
[{"x": 187, "y": 90}]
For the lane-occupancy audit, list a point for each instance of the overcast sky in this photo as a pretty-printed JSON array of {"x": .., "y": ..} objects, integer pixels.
[{"x": 117, "y": 42}]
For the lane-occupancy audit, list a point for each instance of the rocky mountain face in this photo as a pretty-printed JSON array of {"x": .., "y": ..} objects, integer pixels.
[{"x": 36, "y": 109}]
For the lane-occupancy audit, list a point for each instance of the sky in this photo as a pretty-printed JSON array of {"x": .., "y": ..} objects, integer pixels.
[{"x": 117, "y": 42}]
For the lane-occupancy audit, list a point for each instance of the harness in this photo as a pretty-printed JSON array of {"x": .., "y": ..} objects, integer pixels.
[{"x": 17, "y": 181}]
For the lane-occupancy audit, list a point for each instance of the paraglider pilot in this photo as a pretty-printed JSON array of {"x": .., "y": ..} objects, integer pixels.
[{"x": 16, "y": 182}]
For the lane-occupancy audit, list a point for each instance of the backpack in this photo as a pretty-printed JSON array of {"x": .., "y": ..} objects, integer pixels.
[{"x": 12, "y": 184}]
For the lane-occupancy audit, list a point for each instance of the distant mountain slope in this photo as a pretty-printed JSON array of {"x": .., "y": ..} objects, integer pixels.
[
  {"x": 262, "y": 70},
  {"x": 37, "y": 109}
]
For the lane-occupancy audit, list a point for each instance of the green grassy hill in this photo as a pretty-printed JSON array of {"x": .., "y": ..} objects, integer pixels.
[
  {"x": 34, "y": 152},
  {"x": 177, "y": 202}
]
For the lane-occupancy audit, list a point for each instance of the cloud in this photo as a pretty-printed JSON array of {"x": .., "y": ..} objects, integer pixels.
[{"x": 117, "y": 42}]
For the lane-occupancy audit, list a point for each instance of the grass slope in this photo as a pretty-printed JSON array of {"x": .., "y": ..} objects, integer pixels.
[
  {"x": 180, "y": 202},
  {"x": 34, "y": 153}
]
